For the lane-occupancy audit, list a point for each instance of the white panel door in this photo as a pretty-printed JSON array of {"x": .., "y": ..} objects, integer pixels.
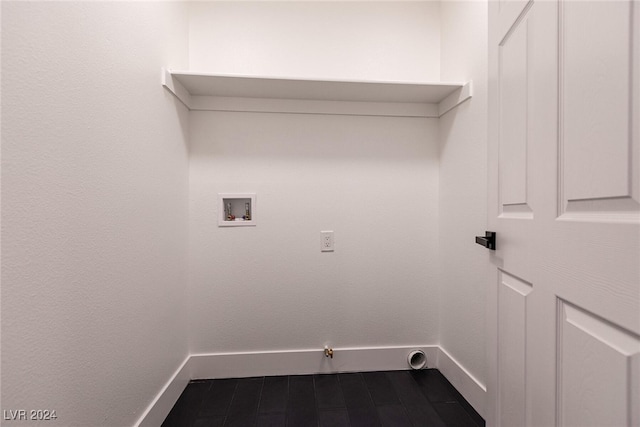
[{"x": 564, "y": 199}]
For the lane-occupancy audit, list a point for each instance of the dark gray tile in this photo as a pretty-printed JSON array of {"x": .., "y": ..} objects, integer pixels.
[
  {"x": 301, "y": 405},
  {"x": 393, "y": 416},
  {"x": 246, "y": 397},
  {"x": 301, "y": 393},
  {"x": 186, "y": 409},
  {"x": 424, "y": 416},
  {"x": 275, "y": 392},
  {"x": 437, "y": 388},
  {"x": 380, "y": 388},
  {"x": 433, "y": 385},
  {"x": 395, "y": 399},
  {"x": 407, "y": 389},
  {"x": 454, "y": 415},
  {"x": 334, "y": 418},
  {"x": 364, "y": 417},
  {"x": 240, "y": 420},
  {"x": 477, "y": 418},
  {"x": 217, "y": 421},
  {"x": 355, "y": 392},
  {"x": 271, "y": 420},
  {"x": 302, "y": 417},
  {"x": 217, "y": 399},
  {"x": 328, "y": 391}
]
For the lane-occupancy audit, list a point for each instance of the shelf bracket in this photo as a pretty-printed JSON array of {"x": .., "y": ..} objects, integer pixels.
[
  {"x": 455, "y": 99},
  {"x": 176, "y": 88}
]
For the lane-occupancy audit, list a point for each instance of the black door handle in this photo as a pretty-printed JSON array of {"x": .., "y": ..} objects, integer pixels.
[{"x": 488, "y": 241}]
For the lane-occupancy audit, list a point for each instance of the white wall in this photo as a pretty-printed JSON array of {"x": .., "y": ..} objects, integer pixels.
[
  {"x": 342, "y": 40},
  {"x": 373, "y": 180},
  {"x": 95, "y": 188},
  {"x": 277, "y": 298},
  {"x": 463, "y": 188},
  {"x": 94, "y": 215}
]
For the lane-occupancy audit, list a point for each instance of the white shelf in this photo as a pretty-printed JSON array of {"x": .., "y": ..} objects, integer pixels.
[{"x": 201, "y": 91}]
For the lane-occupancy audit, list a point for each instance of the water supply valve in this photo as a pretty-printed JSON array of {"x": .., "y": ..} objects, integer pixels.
[{"x": 328, "y": 352}]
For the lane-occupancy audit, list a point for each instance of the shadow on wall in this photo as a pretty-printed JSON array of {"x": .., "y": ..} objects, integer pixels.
[{"x": 281, "y": 136}]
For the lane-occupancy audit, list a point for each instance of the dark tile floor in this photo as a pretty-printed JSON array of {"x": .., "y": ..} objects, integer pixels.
[{"x": 393, "y": 398}]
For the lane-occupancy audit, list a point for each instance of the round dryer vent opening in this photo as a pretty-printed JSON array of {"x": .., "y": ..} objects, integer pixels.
[{"x": 417, "y": 359}]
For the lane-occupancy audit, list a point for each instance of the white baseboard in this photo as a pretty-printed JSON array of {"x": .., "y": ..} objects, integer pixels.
[
  {"x": 160, "y": 407},
  {"x": 299, "y": 362},
  {"x": 311, "y": 361},
  {"x": 469, "y": 387}
]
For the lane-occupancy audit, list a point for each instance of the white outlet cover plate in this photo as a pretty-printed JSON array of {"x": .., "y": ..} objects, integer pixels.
[{"x": 326, "y": 241}]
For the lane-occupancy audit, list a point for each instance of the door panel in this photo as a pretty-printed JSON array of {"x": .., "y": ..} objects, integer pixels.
[
  {"x": 508, "y": 13},
  {"x": 597, "y": 362},
  {"x": 596, "y": 107},
  {"x": 512, "y": 308},
  {"x": 514, "y": 90}
]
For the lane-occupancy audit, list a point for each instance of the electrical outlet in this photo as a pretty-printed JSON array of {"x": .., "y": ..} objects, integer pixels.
[{"x": 326, "y": 241}]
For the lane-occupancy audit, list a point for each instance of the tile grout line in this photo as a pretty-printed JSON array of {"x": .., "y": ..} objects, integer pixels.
[
  {"x": 404, "y": 406},
  {"x": 259, "y": 400},
  {"x": 226, "y": 413},
  {"x": 286, "y": 406},
  {"x": 406, "y": 410},
  {"x": 199, "y": 405},
  {"x": 315, "y": 400},
  {"x": 431, "y": 402},
  {"x": 375, "y": 407}
]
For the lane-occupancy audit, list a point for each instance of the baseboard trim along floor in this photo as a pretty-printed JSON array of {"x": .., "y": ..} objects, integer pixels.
[{"x": 308, "y": 361}]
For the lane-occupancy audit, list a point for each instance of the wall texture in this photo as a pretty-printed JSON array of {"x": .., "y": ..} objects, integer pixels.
[
  {"x": 373, "y": 180},
  {"x": 94, "y": 214},
  {"x": 463, "y": 188},
  {"x": 340, "y": 40}
]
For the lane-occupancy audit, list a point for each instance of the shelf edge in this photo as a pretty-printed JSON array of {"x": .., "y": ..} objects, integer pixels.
[
  {"x": 313, "y": 106},
  {"x": 455, "y": 99},
  {"x": 176, "y": 88},
  {"x": 308, "y": 79}
]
